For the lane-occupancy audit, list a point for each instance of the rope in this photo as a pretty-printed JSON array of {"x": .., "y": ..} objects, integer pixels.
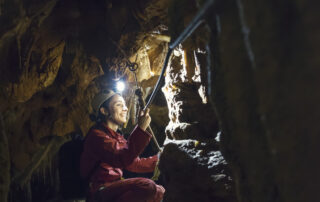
[{"x": 193, "y": 25}]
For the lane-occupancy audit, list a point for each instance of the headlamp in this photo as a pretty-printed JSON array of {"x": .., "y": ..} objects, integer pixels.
[{"x": 120, "y": 86}]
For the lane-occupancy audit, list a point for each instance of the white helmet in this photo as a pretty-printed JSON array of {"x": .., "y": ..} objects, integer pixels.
[{"x": 100, "y": 98}]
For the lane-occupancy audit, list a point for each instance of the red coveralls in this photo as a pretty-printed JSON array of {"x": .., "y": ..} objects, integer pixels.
[{"x": 113, "y": 153}]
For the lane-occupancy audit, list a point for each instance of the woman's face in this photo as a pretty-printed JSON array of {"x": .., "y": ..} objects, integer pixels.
[{"x": 118, "y": 109}]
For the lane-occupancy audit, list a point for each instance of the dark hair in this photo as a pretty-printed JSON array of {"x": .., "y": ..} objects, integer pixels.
[{"x": 102, "y": 117}]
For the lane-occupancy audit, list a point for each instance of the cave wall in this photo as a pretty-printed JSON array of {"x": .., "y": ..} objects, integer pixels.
[
  {"x": 262, "y": 69},
  {"x": 55, "y": 56},
  {"x": 191, "y": 164},
  {"x": 249, "y": 74},
  {"x": 264, "y": 87}
]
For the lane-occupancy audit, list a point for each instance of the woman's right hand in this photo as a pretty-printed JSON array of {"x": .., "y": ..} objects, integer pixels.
[{"x": 144, "y": 119}]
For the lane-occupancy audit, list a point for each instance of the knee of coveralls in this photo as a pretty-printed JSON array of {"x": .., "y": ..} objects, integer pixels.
[
  {"x": 134, "y": 189},
  {"x": 146, "y": 187}
]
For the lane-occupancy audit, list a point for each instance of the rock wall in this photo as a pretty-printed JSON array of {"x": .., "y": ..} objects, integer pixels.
[
  {"x": 264, "y": 88},
  {"x": 55, "y": 55},
  {"x": 191, "y": 164},
  {"x": 195, "y": 171}
]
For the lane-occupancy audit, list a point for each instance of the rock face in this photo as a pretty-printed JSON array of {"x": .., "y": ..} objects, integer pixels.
[
  {"x": 264, "y": 67},
  {"x": 55, "y": 55},
  {"x": 190, "y": 115},
  {"x": 194, "y": 171},
  {"x": 192, "y": 166}
]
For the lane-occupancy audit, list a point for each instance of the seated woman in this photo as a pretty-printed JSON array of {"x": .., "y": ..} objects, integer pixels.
[{"x": 106, "y": 153}]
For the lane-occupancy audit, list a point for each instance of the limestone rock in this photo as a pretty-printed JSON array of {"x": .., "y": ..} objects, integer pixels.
[
  {"x": 195, "y": 171},
  {"x": 268, "y": 104}
]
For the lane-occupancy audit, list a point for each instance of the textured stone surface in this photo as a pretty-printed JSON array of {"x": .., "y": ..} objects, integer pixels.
[
  {"x": 195, "y": 171},
  {"x": 55, "y": 55},
  {"x": 189, "y": 116},
  {"x": 192, "y": 166},
  {"x": 264, "y": 88}
]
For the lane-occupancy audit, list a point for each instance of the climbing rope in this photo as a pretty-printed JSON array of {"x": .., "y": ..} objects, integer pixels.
[
  {"x": 193, "y": 25},
  {"x": 133, "y": 66}
]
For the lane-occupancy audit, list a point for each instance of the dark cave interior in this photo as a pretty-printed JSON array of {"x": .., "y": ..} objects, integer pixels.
[{"x": 236, "y": 115}]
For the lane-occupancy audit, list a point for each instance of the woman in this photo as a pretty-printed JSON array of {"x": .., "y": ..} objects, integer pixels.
[{"x": 106, "y": 153}]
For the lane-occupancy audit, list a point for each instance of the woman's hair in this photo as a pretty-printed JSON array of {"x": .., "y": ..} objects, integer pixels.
[{"x": 100, "y": 118}]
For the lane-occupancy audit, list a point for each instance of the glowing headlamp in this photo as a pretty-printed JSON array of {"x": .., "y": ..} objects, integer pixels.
[{"x": 120, "y": 86}]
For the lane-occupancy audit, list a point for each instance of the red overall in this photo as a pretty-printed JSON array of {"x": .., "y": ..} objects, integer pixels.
[{"x": 113, "y": 153}]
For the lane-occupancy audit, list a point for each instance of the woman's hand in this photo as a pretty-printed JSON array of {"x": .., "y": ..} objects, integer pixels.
[{"x": 144, "y": 119}]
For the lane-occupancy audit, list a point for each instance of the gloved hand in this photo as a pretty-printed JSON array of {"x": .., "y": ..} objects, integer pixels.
[{"x": 144, "y": 119}]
